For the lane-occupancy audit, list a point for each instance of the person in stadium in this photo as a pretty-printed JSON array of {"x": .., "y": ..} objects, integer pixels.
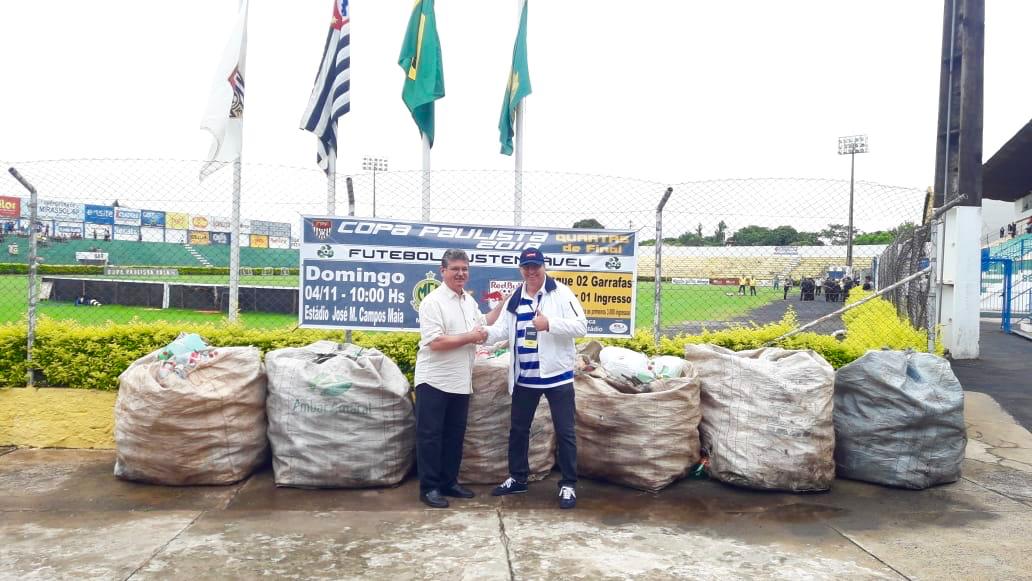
[
  {"x": 788, "y": 286},
  {"x": 742, "y": 281},
  {"x": 868, "y": 284},
  {"x": 450, "y": 327},
  {"x": 541, "y": 320},
  {"x": 831, "y": 290},
  {"x": 806, "y": 289},
  {"x": 847, "y": 285},
  {"x": 752, "y": 285}
]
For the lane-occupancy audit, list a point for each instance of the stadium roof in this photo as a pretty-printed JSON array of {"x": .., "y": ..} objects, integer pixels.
[{"x": 1007, "y": 175}]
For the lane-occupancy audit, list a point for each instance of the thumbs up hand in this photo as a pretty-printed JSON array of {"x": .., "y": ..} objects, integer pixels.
[{"x": 540, "y": 321}]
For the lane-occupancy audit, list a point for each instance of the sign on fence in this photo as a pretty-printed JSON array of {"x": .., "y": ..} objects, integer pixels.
[
  {"x": 139, "y": 271},
  {"x": 10, "y": 207},
  {"x": 366, "y": 273}
]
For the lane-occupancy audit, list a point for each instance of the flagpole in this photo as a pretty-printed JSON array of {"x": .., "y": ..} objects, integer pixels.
[
  {"x": 331, "y": 183},
  {"x": 426, "y": 177},
  {"x": 518, "y": 161},
  {"x": 517, "y": 211},
  {"x": 234, "y": 245}
]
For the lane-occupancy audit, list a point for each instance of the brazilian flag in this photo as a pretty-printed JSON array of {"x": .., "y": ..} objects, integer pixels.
[
  {"x": 517, "y": 88},
  {"x": 424, "y": 72}
]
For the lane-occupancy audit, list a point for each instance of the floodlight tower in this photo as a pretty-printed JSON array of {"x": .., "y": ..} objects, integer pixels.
[
  {"x": 851, "y": 145},
  {"x": 374, "y": 164}
]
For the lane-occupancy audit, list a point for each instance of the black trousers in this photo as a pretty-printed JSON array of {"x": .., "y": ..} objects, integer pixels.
[
  {"x": 440, "y": 428},
  {"x": 524, "y": 404}
]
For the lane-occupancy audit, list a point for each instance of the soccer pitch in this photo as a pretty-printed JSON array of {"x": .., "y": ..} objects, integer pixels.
[{"x": 681, "y": 303}]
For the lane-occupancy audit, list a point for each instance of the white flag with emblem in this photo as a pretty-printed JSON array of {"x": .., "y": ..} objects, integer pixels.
[{"x": 224, "y": 118}]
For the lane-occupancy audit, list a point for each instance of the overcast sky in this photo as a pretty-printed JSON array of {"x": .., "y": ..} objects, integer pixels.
[{"x": 660, "y": 90}]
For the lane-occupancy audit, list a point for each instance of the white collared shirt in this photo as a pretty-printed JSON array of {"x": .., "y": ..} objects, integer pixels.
[{"x": 445, "y": 312}]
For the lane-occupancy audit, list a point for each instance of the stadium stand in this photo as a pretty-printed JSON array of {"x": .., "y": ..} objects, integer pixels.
[
  {"x": 124, "y": 253},
  {"x": 760, "y": 267}
]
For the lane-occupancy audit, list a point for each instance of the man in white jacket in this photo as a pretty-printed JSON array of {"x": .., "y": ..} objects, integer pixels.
[{"x": 541, "y": 320}]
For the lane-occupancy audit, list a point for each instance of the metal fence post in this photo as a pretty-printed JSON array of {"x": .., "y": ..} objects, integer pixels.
[
  {"x": 234, "y": 246},
  {"x": 658, "y": 281},
  {"x": 33, "y": 268},
  {"x": 351, "y": 212},
  {"x": 931, "y": 308}
]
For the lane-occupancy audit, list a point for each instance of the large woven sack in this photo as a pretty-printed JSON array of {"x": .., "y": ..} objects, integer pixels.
[
  {"x": 899, "y": 420},
  {"x": 339, "y": 416},
  {"x": 485, "y": 449},
  {"x": 767, "y": 417},
  {"x": 644, "y": 440},
  {"x": 205, "y": 428}
]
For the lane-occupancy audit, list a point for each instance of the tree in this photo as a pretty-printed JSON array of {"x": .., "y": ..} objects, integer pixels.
[
  {"x": 721, "y": 233},
  {"x": 836, "y": 234},
  {"x": 698, "y": 230},
  {"x": 588, "y": 223},
  {"x": 879, "y": 237},
  {"x": 904, "y": 228}
]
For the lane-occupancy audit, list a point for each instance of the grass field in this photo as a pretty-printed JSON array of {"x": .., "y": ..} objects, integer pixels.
[{"x": 680, "y": 304}]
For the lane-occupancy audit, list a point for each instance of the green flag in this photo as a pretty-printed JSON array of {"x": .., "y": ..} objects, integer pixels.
[
  {"x": 421, "y": 60},
  {"x": 517, "y": 88}
]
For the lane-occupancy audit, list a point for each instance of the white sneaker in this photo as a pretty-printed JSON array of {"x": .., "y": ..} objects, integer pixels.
[{"x": 567, "y": 497}]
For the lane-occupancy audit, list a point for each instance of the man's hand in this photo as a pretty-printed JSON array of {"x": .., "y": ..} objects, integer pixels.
[
  {"x": 479, "y": 335},
  {"x": 540, "y": 321}
]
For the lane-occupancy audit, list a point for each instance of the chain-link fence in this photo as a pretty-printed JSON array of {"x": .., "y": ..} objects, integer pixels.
[
  {"x": 120, "y": 240},
  {"x": 908, "y": 254}
]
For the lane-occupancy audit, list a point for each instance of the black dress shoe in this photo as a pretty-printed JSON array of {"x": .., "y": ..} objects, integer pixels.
[
  {"x": 433, "y": 499},
  {"x": 458, "y": 491}
]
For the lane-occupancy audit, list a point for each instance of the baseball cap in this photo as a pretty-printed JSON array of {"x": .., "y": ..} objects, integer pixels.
[{"x": 531, "y": 256}]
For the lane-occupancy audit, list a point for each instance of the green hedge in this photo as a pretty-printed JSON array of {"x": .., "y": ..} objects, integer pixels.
[
  {"x": 77, "y": 356},
  {"x": 15, "y": 268},
  {"x": 873, "y": 325}
]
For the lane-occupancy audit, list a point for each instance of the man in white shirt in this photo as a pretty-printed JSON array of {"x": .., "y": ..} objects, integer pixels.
[
  {"x": 540, "y": 320},
  {"x": 450, "y": 326}
]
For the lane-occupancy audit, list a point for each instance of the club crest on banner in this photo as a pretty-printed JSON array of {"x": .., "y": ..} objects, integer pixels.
[
  {"x": 322, "y": 228},
  {"x": 424, "y": 288}
]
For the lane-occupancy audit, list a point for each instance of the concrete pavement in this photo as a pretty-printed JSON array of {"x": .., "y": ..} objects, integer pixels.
[{"x": 64, "y": 516}]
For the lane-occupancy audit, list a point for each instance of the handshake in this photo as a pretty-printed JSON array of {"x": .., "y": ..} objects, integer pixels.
[{"x": 478, "y": 335}]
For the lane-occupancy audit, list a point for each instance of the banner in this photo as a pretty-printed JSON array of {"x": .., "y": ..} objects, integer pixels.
[
  {"x": 200, "y": 222},
  {"x": 359, "y": 273},
  {"x": 245, "y": 227},
  {"x": 127, "y": 217},
  {"x": 220, "y": 224},
  {"x": 199, "y": 238},
  {"x": 152, "y": 234},
  {"x": 10, "y": 207},
  {"x": 219, "y": 238},
  {"x": 56, "y": 210},
  {"x": 270, "y": 228},
  {"x": 177, "y": 221},
  {"x": 724, "y": 281},
  {"x": 279, "y": 242},
  {"x": 259, "y": 241},
  {"x": 690, "y": 281},
  {"x": 245, "y": 240},
  {"x": 152, "y": 218},
  {"x": 98, "y": 231},
  {"x": 175, "y": 236},
  {"x": 99, "y": 214},
  {"x": 68, "y": 229},
  {"x": 130, "y": 233}
]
